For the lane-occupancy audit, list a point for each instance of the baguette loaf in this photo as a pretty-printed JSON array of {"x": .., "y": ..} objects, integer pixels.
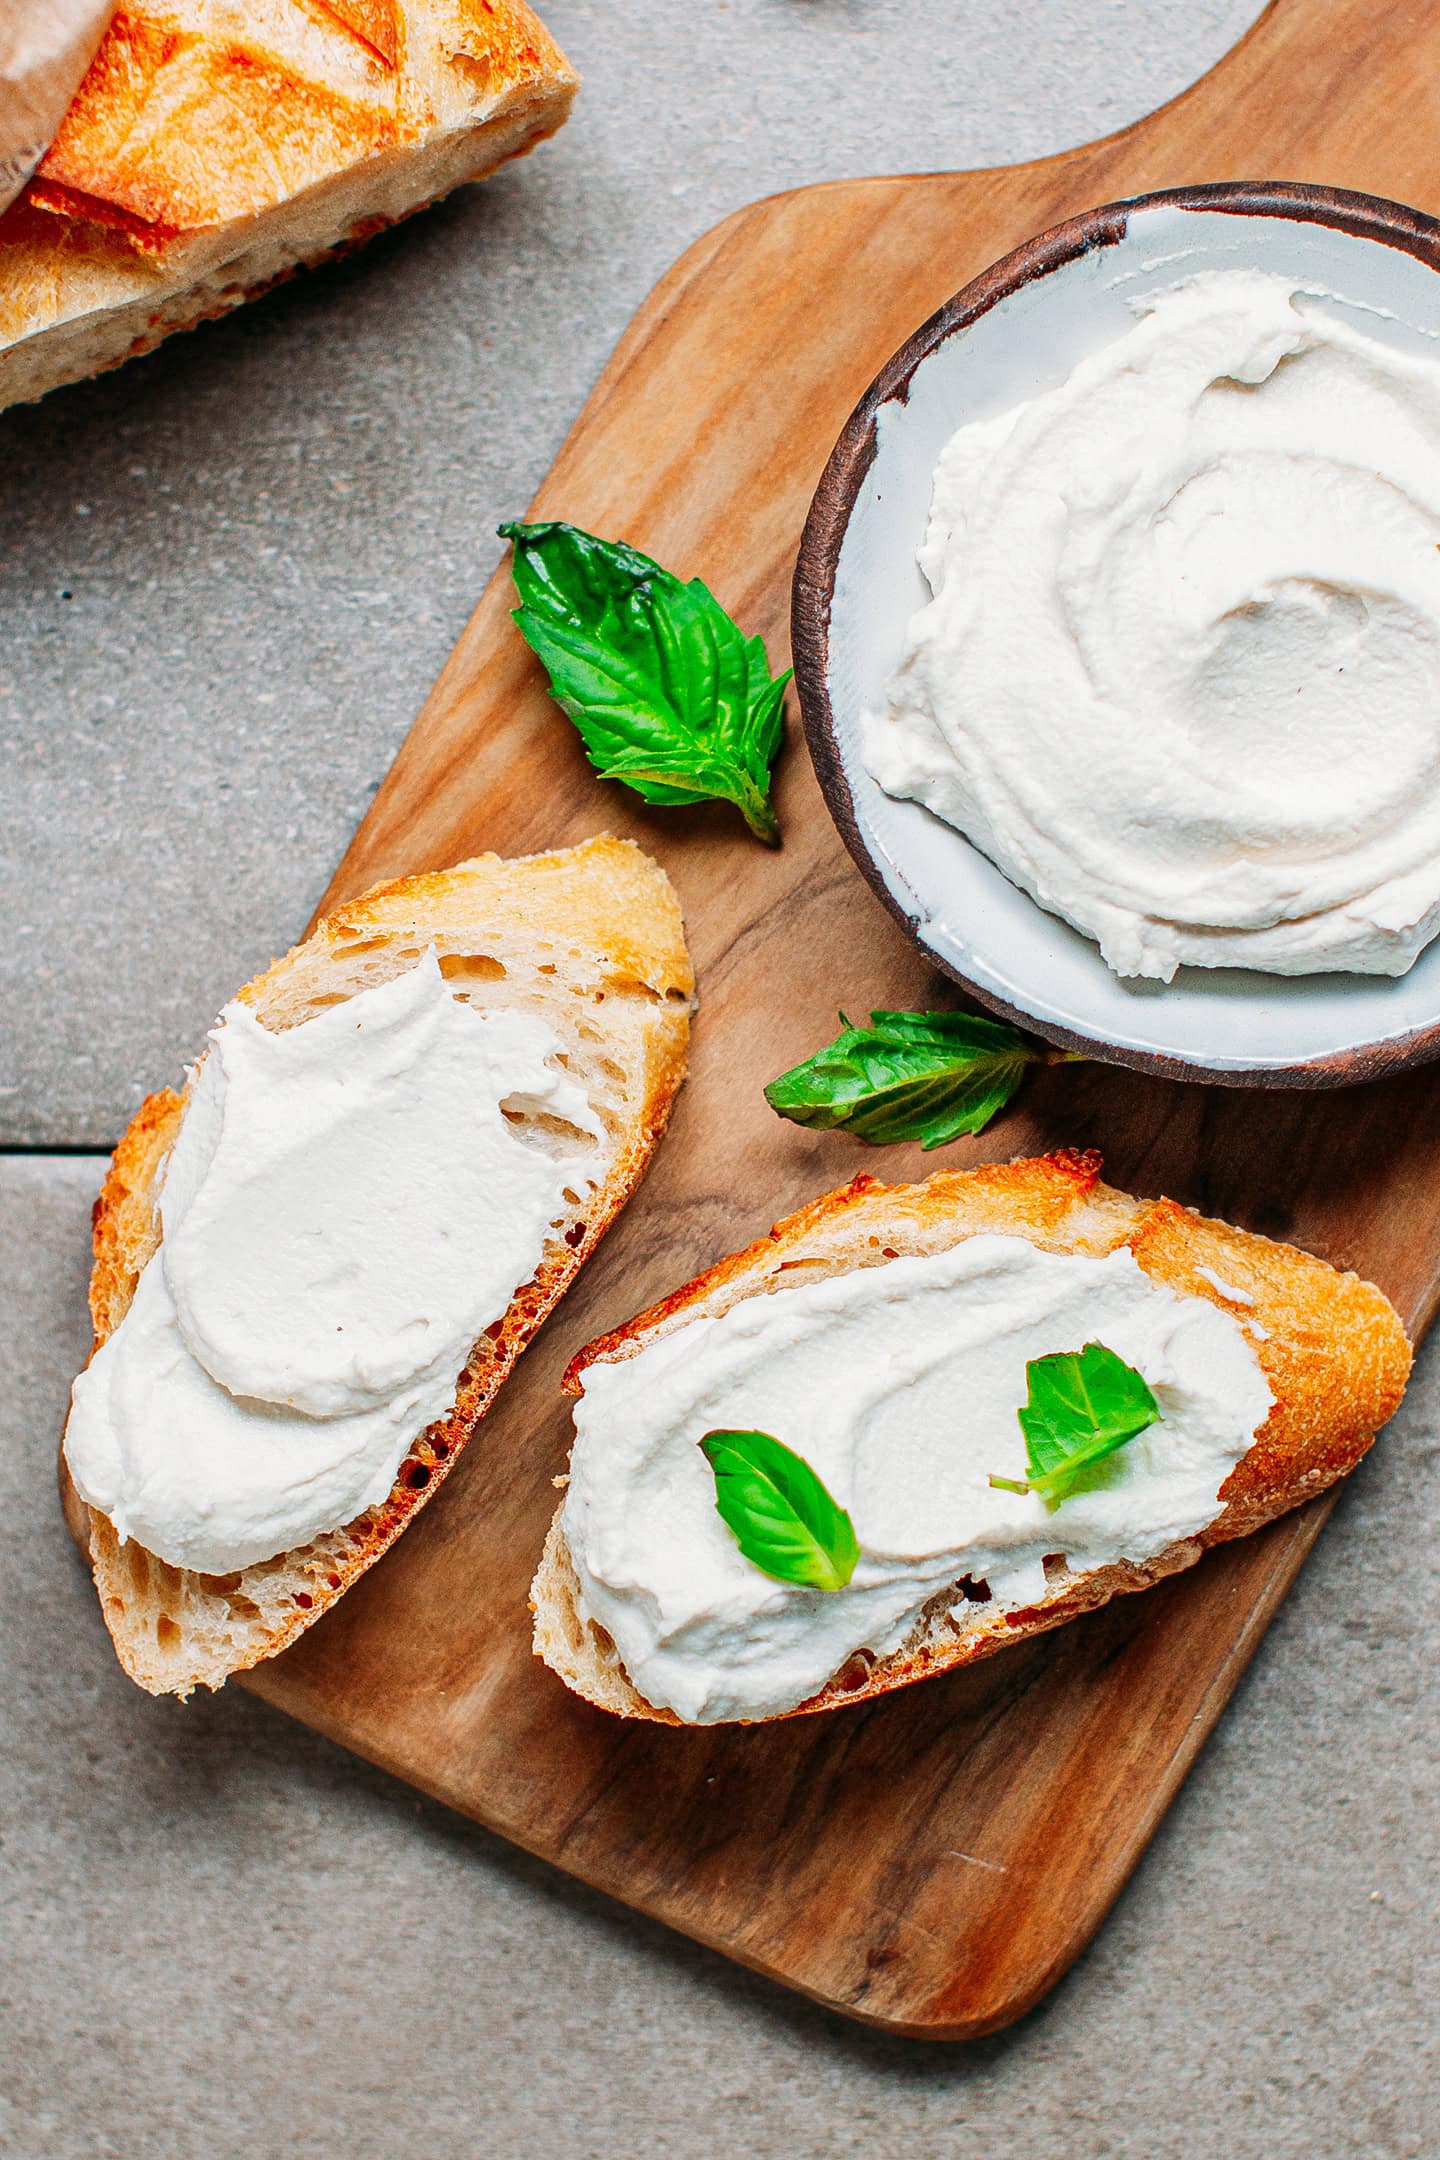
[
  {"x": 590, "y": 940},
  {"x": 215, "y": 147},
  {"x": 1331, "y": 1347}
]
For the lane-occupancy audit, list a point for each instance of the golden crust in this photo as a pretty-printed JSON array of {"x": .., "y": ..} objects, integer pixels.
[
  {"x": 1333, "y": 1352},
  {"x": 1041, "y": 1198},
  {"x": 375, "y": 22},
  {"x": 187, "y": 119},
  {"x": 596, "y": 931},
  {"x": 166, "y": 126},
  {"x": 125, "y": 1226},
  {"x": 217, "y": 145},
  {"x": 1330, "y": 1345}
]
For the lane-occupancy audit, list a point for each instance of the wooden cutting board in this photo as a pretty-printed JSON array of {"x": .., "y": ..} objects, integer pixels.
[{"x": 932, "y": 1862}]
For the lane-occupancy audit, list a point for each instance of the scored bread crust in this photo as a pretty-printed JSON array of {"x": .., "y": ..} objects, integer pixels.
[
  {"x": 590, "y": 940},
  {"x": 216, "y": 146},
  {"x": 1331, "y": 1347}
]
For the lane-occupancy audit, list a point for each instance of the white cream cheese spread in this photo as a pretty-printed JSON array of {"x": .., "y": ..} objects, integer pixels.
[
  {"x": 1180, "y": 674},
  {"x": 899, "y": 1385},
  {"x": 346, "y": 1208}
]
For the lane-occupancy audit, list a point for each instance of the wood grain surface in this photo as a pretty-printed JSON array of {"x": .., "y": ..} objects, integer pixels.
[{"x": 934, "y": 1861}]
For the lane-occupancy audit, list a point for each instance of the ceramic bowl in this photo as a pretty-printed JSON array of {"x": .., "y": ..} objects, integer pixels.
[{"x": 1015, "y": 331}]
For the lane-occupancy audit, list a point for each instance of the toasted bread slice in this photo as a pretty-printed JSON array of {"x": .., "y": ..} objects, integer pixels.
[
  {"x": 215, "y": 148},
  {"x": 589, "y": 940},
  {"x": 1331, "y": 1347}
]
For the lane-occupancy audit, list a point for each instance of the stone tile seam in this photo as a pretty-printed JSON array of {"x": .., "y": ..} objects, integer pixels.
[{"x": 31, "y": 1150}]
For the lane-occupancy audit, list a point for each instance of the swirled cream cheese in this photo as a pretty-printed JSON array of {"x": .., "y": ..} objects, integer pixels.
[
  {"x": 346, "y": 1208},
  {"x": 1180, "y": 676},
  {"x": 899, "y": 1385}
]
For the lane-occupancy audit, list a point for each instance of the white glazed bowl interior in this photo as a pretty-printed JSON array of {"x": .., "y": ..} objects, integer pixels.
[{"x": 1229, "y": 1021}]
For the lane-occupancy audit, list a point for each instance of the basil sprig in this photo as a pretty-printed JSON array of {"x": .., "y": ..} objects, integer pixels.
[
  {"x": 779, "y": 1512},
  {"x": 1083, "y": 1405},
  {"x": 909, "y": 1076},
  {"x": 667, "y": 693}
]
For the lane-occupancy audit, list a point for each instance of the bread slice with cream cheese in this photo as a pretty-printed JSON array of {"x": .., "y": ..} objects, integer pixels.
[
  {"x": 1331, "y": 1348},
  {"x": 590, "y": 941}
]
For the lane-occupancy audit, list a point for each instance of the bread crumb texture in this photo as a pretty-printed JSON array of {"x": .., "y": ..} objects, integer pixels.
[{"x": 589, "y": 940}]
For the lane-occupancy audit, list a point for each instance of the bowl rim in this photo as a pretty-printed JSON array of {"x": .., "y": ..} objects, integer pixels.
[{"x": 1370, "y": 217}]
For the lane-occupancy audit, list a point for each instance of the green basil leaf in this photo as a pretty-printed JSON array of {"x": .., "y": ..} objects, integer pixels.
[
  {"x": 667, "y": 693},
  {"x": 928, "y": 1076},
  {"x": 780, "y": 1513},
  {"x": 1083, "y": 1405}
]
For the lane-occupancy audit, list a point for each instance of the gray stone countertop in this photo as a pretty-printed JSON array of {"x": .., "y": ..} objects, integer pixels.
[
  {"x": 229, "y": 574},
  {"x": 221, "y": 1937}
]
